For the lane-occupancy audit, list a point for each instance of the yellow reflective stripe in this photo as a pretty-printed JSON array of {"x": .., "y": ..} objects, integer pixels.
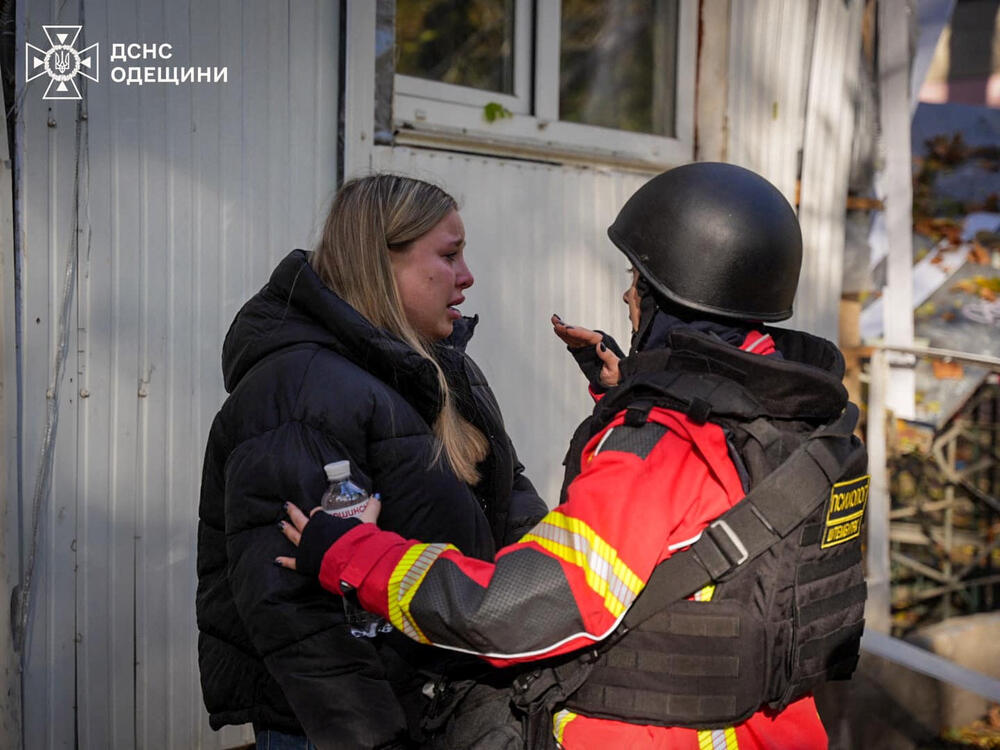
[
  {"x": 559, "y": 721},
  {"x": 404, "y": 582},
  {"x": 575, "y": 557},
  {"x": 705, "y": 594},
  {"x": 575, "y": 542},
  {"x": 401, "y": 569},
  {"x": 717, "y": 739},
  {"x": 599, "y": 546}
]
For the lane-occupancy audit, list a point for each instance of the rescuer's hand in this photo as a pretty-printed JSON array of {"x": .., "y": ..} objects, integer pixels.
[
  {"x": 316, "y": 534},
  {"x": 596, "y": 353}
]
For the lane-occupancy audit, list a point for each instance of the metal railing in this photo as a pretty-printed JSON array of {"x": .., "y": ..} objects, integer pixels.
[{"x": 940, "y": 576}]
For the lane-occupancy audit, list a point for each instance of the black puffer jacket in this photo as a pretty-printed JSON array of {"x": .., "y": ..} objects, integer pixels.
[{"x": 311, "y": 381}]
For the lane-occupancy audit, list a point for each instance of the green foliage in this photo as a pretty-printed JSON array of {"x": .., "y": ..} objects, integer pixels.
[{"x": 494, "y": 111}]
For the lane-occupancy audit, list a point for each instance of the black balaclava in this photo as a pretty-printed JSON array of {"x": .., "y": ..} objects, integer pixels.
[{"x": 658, "y": 316}]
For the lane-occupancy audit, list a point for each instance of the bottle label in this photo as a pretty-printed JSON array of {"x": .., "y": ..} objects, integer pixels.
[{"x": 348, "y": 511}]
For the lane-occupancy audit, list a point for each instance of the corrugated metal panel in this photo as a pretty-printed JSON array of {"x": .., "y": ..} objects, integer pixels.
[
  {"x": 10, "y": 534},
  {"x": 826, "y": 164},
  {"x": 188, "y": 195},
  {"x": 46, "y": 227},
  {"x": 792, "y": 72},
  {"x": 537, "y": 244},
  {"x": 768, "y": 64}
]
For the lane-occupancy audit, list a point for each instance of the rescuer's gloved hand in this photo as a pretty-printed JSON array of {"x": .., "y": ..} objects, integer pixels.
[
  {"x": 596, "y": 353},
  {"x": 314, "y": 535}
]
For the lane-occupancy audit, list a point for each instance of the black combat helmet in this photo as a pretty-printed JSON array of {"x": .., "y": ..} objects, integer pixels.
[{"x": 715, "y": 238}]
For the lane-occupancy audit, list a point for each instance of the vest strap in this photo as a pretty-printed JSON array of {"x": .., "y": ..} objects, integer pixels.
[
  {"x": 622, "y": 701},
  {"x": 772, "y": 509},
  {"x": 638, "y": 414}
]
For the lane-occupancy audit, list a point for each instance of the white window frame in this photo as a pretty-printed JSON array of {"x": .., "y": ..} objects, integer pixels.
[{"x": 443, "y": 115}]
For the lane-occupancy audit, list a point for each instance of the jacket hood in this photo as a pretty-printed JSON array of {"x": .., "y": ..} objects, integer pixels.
[
  {"x": 295, "y": 308},
  {"x": 662, "y": 324}
]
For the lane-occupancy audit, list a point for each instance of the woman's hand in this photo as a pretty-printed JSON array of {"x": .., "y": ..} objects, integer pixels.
[
  {"x": 317, "y": 533},
  {"x": 596, "y": 353}
]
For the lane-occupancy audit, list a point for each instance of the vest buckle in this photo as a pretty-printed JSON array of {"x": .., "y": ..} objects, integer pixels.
[{"x": 734, "y": 552}]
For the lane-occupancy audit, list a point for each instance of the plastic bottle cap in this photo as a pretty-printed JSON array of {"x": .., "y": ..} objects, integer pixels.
[{"x": 337, "y": 470}]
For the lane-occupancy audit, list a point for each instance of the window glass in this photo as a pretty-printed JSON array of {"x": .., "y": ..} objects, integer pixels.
[
  {"x": 617, "y": 64},
  {"x": 463, "y": 42}
]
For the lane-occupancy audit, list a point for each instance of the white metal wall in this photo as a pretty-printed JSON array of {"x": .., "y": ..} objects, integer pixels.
[
  {"x": 187, "y": 196},
  {"x": 792, "y": 78},
  {"x": 768, "y": 56},
  {"x": 537, "y": 245},
  {"x": 10, "y": 532},
  {"x": 826, "y": 157}
]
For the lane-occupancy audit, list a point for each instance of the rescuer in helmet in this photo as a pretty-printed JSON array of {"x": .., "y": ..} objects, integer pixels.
[
  {"x": 712, "y": 245},
  {"x": 702, "y": 573}
]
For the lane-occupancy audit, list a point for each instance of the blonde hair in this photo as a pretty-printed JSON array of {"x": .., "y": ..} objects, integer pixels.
[{"x": 370, "y": 218}]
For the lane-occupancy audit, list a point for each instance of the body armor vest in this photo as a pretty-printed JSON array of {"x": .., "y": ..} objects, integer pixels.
[{"x": 786, "y": 612}]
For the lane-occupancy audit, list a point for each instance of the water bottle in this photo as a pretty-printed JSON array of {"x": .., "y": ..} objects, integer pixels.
[{"x": 344, "y": 499}]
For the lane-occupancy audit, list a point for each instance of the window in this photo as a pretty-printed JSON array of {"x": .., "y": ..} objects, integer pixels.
[
  {"x": 466, "y": 51},
  {"x": 592, "y": 79},
  {"x": 616, "y": 64}
]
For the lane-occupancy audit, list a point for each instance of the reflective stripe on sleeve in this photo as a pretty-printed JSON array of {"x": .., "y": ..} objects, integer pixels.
[
  {"x": 404, "y": 582},
  {"x": 573, "y": 541}
]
